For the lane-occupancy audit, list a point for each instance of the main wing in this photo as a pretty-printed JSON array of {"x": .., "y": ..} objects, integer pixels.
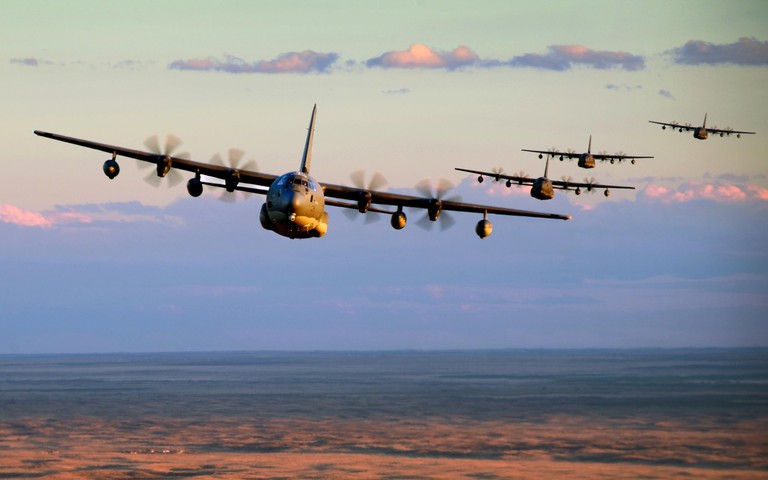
[
  {"x": 688, "y": 127},
  {"x": 558, "y": 184},
  {"x": 728, "y": 131},
  {"x": 597, "y": 156},
  {"x": 498, "y": 176},
  {"x": 674, "y": 126},
  {"x": 164, "y": 163},
  {"x": 554, "y": 153},
  {"x": 363, "y": 199}
]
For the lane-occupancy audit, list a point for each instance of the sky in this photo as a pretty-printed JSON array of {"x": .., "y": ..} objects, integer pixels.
[{"x": 410, "y": 90}]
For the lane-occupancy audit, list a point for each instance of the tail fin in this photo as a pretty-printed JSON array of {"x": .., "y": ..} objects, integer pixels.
[
  {"x": 705, "y": 121},
  {"x": 589, "y": 147},
  {"x": 307, "y": 157},
  {"x": 546, "y": 167}
]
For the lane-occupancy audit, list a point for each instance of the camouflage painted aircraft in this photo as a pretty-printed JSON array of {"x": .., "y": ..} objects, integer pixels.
[
  {"x": 587, "y": 160},
  {"x": 295, "y": 202},
  {"x": 543, "y": 188},
  {"x": 702, "y": 132}
]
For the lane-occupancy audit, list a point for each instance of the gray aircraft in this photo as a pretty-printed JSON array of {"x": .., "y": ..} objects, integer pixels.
[
  {"x": 295, "y": 202},
  {"x": 543, "y": 188},
  {"x": 587, "y": 160},
  {"x": 702, "y": 132}
]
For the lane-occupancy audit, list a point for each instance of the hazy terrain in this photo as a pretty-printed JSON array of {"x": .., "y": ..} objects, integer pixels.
[{"x": 482, "y": 415}]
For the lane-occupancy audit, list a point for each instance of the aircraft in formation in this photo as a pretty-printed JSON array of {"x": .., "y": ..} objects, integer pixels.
[
  {"x": 543, "y": 188},
  {"x": 295, "y": 201},
  {"x": 587, "y": 159},
  {"x": 702, "y": 132}
]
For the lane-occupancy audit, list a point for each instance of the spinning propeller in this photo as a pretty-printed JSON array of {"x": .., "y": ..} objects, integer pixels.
[
  {"x": 497, "y": 172},
  {"x": 376, "y": 182},
  {"x": 164, "y": 167},
  {"x": 437, "y": 195},
  {"x": 234, "y": 158}
]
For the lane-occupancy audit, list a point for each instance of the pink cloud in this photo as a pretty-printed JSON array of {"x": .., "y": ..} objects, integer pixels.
[
  {"x": 25, "y": 218},
  {"x": 421, "y": 56},
  {"x": 28, "y": 218},
  {"x": 716, "y": 192}
]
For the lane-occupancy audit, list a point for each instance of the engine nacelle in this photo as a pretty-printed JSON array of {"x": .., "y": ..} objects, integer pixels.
[
  {"x": 607, "y": 193},
  {"x": 364, "y": 201},
  {"x": 163, "y": 166},
  {"x": 111, "y": 168},
  {"x": 195, "y": 186},
  {"x": 434, "y": 209},
  {"x": 231, "y": 180},
  {"x": 398, "y": 220},
  {"x": 577, "y": 191},
  {"x": 266, "y": 222},
  {"x": 483, "y": 228}
]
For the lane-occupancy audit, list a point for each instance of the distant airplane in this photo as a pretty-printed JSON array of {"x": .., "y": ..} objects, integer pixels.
[
  {"x": 587, "y": 160},
  {"x": 295, "y": 202},
  {"x": 702, "y": 132},
  {"x": 543, "y": 188}
]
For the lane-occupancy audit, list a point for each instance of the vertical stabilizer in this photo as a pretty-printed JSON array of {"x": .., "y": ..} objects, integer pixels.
[
  {"x": 546, "y": 166},
  {"x": 307, "y": 157},
  {"x": 589, "y": 147},
  {"x": 705, "y": 121}
]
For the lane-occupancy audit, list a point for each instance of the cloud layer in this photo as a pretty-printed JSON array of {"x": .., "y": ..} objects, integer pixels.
[
  {"x": 716, "y": 192},
  {"x": 745, "y": 51},
  {"x": 565, "y": 57},
  {"x": 307, "y": 61}
]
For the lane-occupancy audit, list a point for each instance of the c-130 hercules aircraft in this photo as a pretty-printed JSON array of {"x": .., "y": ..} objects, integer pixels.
[{"x": 295, "y": 202}]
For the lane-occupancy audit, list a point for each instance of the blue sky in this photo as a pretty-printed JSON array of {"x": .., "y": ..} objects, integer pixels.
[{"x": 411, "y": 90}]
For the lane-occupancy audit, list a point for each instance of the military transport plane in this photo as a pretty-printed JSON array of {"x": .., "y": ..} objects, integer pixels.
[
  {"x": 702, "y": 132},
  {"x": 295, "y": 202},
  {"x": 587, "y": 160},
  {"x": 543, "y": 188}
]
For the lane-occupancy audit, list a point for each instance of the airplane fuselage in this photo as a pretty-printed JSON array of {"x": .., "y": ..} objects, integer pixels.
[
  {"x": 295, "y": 207},
  {"x": 586, "y": 160},
  {"x": 542, "y": 189},
  {"x": 700, "y": 133}
]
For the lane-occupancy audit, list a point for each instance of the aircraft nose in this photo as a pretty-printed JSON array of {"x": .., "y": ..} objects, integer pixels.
[{"x": 296, "y": 202}]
